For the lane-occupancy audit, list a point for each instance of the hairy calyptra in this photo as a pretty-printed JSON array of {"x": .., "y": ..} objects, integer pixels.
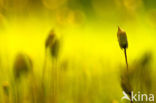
[
  {"x": 50, "y": 39},
  {"x": 22, "y": 65},
  {"x": 122, "y": 38}
]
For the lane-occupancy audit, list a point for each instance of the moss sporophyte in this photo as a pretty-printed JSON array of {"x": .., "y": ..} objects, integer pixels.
[
  {"x": 126, "y": 77},
  {"x": 123, "y": 43}
]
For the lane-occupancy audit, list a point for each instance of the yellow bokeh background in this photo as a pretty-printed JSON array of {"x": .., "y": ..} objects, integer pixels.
[{"x": 87, "y": 30}]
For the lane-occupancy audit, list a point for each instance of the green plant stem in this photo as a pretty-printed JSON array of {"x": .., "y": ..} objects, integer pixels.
[
  {"x": 126, "y": 58},
  {"x": 43, "y": 77},
  {"x": 44, "y": 65},
  {"x": 126, "y": 64},
  {"x": 18, "y": 97},
  {"x": 54, "y": 81}
]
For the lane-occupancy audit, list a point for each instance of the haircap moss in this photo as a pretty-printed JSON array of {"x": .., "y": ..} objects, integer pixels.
[
  {"x": 125, "y": 78},
  {"x": 50, "y": 39},
  {"x": 22, "y": 65},
  {"x": 122, "y": 38},
  {"x": 53, "y": 43},
  {"x": 54, "y": 48}
]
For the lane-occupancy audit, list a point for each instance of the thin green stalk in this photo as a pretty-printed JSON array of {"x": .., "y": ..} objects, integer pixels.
[
  {"x": 18, "y": 97},
  {"x": 54, "y": 81},
  {"x": 126, "y": 58},
  {"x": 44, "y": 65},
  {"x": 126, "y": 65},
  {"x": 43, "y": 77}
]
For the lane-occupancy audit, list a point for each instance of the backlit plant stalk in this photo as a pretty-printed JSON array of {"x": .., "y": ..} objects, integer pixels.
[
  {"x": 52, "y": 44},
  {"x": 48, "y": 42},
  {"x": 123, "y": 43},
  {"x": 122, "y": 39},
  {"x": 54, "y": 51},
  {"x": 22, "y": 66}
]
